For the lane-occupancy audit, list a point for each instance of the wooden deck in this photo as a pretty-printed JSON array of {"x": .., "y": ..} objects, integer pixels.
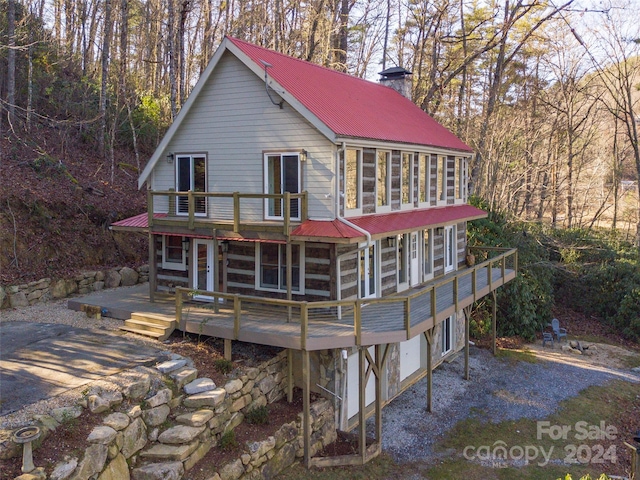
[{"x": 340, "y": 324}]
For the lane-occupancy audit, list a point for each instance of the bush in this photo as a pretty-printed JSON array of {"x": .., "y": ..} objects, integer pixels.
[
  {"x": 228, "y": 440},
  {"x": 223, "y": 365},
  {"x": 258, "y": 415}
]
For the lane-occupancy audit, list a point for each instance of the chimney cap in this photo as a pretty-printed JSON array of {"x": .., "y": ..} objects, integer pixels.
[{"x": 395, "y": 72}]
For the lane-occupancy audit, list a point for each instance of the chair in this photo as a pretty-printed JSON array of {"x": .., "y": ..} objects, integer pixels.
[
  {"x": 559, "y": 332},
  {"x": 547, "y": 337}
]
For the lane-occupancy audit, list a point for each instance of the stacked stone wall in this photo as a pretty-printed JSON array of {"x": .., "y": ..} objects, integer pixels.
[{"x": 47, "y": 289}]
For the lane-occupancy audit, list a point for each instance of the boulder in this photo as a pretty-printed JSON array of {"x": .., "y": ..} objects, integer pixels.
[
  {"x": 211, "y": 398},
  {"x": 18, "y": 299},
  {"x": 266, "y": 384},
  {"x": 159, "y": 471},
  {"x": 112, "y": 279},
  {"x": 3, "y": 295},
  {"x": 64, "y": 414},
  {"x": 170, "y": 452},
  {"x": 63, "y": 288},
  {"x": 156, "y": 416},
  {"x": 135, "y": 438},
  {"x": 160, "y": 398},
  {"x": 118, "y": 421},
  {"x": 198, "y": 454},
  {"x": 8, "y": 449},
  {"x": 117, "y": 469},
  {"x": 171, "y": 365},
  {"x": 93, "y": 462},
  {"x": 128, "y": 276},
  {"x": 138, "y": 388},
  {"x": 36, "y": 474},
  {"x": 64, "y": 468},
  {"x": 232, "y": 470},
  {"x": 184, "y": 376},
  {"x": 233, "y": 386},
  {"x": 102, "y": 434},
  {"x": 286, "y": 433},
  {"x": 284, "y": 458}
]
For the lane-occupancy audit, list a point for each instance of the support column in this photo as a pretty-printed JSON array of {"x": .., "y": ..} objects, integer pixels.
[
  {"x": 378, "y": 360},
  {"x": 227, "y": 349},
  {"x": 429, "y": 336},
  {"x": 153, "y": 267},
  {"x": 494, "y": 323},
  {"x": 467, "y": 313},
  {"x": 289, "y": 275},
  {"x": 362, "y": 386},
  {"x": 289, "y": 375},
  {"x": 306, "y": 400}
]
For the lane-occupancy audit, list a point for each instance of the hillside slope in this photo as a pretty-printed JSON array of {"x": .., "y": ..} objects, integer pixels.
[{"x": 57, "y": 201}]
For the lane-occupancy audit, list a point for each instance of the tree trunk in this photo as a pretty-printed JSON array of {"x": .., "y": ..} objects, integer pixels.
[
  {"x": 173, "y": 82},
  {"x": 11, "y": 60},
  {"x": 105, "y": 76}
]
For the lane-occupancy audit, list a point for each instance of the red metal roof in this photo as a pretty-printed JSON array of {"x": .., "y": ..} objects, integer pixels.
[
  {"x": 389, "y": 223},
  {"x": 137, "y": 222},
  {"x": 350, "y": 106}
]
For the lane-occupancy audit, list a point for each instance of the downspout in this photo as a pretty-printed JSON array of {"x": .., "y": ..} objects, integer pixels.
[{"x": 337, "y": 204}]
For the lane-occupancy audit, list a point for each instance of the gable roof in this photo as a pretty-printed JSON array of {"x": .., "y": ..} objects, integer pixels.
[{"x": 339, "y": 105}]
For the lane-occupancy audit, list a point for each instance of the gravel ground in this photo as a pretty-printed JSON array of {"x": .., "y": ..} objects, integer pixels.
[{"x": 498, "y": 390}]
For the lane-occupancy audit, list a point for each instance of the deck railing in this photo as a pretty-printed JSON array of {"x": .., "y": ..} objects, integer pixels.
[
  {"x": 226, "y": 210},
  {"x": 371, "y": 320}
]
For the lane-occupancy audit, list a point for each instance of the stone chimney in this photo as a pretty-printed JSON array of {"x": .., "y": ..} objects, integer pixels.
[{"x": 398, "y": 79}]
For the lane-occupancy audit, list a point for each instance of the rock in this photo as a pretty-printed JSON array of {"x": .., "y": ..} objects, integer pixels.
[
  {"x": 118, "y": 421},
  {"x": 117, "y": 469},
  {"x": 159, "y": 471},
  {"x": 170, "y": 452},
  {"x": 160, "y": 398},
  {"x": 64, "y": 414},
  {"x": 46, "y": 422},
  {"x": 236, "y": 419},
  {"x": 103, "y": 402},
  {"x": 36, "y": 474},
  {"x": 200, "y": 385},
  {"x": 128, "y": 277},
  {"x": 135, "y": 438},
  {"x": 98, "y": 286},
  {"x": 282, "y": 459},
  {"x": 195, "y": 419},
  {"x": 8, "y": 449},
  {"x": 64, "y": 468},
  {"x": 266, "y": 384},
  {"x": 139, "y": 388},
  {"x": 180, "y": 434},
  {"x": 112, "y": 279},
  {"x": 240, "y": 403},
  {"x": 102, "y": 434},
  {"x": 155, "y": 416},
  {"x": 258, "y": 449},
  {"x": 93, "y": 462},
  {"x": 18, "y": 300},
  {"x": 134, "y": 412},
  {"x": 286, "y": 433},
  {"x": 171, "y": 365},
  {"x": 566, "y": 348},
  {"x": 3, "y": 295},
  {"x": 233, "y": 386},
  {"x": 575, "y": 351},
  {"x": 197, "y": 455},
  {"x": 153, "y": 434},
  {"x": 184, "y": 376},
  {"x": 232, "y": 470},
  {"x": 636, "y": 369},
  {"x": 212, "y": 398},
  {"x": 99, "y": 276},
  {"x": 261, "y": 401}
]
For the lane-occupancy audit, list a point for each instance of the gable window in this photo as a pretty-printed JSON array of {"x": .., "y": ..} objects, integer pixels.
[
  {"x": 271, "y": 259},
  {"x": 353, "y": 179},
  {"x": 383, "y": 169},
  {"x": 173, "y": 255},
  {"x": 281, "y": 174},
  {"x": 367, "y": 267},
  {"x": 406, "y": 170},
  {"x": 191, "y": 176},
  {"x": 447, "y": 335}
]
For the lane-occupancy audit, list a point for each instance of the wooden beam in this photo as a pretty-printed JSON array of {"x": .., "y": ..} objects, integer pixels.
[
  {"x": 153, "y": 267},
  {"x": 306, "y": 399},
  {"x": 216, "y": 275},
  {"x": 467, "y": 314},
  {"x": 494, "y": 323},
  {"x": 289, "y": 274},
  {"x": 379, "y": 360},
  {"x": 289, "y": 375},
  {"x": 362, "y": 417},
  {"x": 227, "y": 349},
  {"x": 428, "y": 334}
]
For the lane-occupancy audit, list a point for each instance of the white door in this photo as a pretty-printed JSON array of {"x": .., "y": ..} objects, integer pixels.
[
  {"x": 449, "y": 249},
  {"x": 203, "y": 267},
  {"x": 414, "y": 269},
  {"x": 410, "y": 356}
]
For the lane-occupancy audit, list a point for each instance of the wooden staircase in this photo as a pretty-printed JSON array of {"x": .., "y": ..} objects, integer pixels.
[{"x": 153, "y": 325}]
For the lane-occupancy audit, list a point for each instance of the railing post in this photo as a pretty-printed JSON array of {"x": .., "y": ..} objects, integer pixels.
[
  {"x": 434, "y": 310},
  {"x": 407, "y": 318},
  {"x": 192, "y": 210},
  {"x": 150, "y": 208},
  {"x": 304, "y": 324},
  {"x": 237, "y": 305},
  {"x": 455, "y": 292},
  {"x": 474, "y": 282},
  {"x": 236, "y": 212},
  {"x": 357, "y": 322},
  {"x": 179, "y": 309},
  {"x": 503, "y": 265},
  {"x": 305, "y": 206},
  {"x": 287, "y": 212},
  {"x": 490, "y": 274},
  {"x": 172, "y": 203}
]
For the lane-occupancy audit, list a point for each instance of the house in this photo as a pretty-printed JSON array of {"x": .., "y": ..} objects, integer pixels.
[{"x": 321, "y": 213}]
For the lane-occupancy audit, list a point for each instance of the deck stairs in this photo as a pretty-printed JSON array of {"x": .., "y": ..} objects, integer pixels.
[{"x": 154, "y": 325}]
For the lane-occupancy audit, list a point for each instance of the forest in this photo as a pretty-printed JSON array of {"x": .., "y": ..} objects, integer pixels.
[{"x": 546, "y": 93}]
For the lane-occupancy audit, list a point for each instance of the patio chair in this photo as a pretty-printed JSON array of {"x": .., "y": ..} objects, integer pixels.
[
  {"x": 547, "y": 337},
  {"x": 557, "y": 330}
]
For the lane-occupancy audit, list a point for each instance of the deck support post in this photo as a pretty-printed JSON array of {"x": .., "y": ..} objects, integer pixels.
[
  {"x": 216, "y": 279},
  {"x": 227, "y": 349},
  {"x": 428, "y": 335},
  {"x": 153, "y": 267},
  {"x": 306, "y": 399},
  {"x": 289, "y": 277},
  {"x": 467, "y": 314},
  {"x": 289, "y": 375},
  {"x": 362, "y": 417},
  {"x": 378, "y": 374},
  {"x": 494, "y": 322}
]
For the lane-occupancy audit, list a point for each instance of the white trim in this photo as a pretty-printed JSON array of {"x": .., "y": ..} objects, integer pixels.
[
  {"x": 449, "y": 320},
  {"x": 411, "y": 203},
  {"x": 281, "y": 263},
  {"x": 364, "y": 249},
  {"x": 359, "y": 159},
  {"x": 426, "y": 174},
  {"x": 265, "y": 171},
  {"x": 191, "y": 157},
  {"x": 405, "y": 238},
  {"x": 384, "y": 208},
  {"x": 450, "y": 247},
  {"x": 364, "y": 142},
  {"x": 211, "y": 265},
  {"x": 428, "y": 255},
  {"x": 170, "y": 265}
]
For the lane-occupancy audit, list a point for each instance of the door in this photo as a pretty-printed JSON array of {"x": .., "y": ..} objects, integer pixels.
[
  {"x": 203, "y": 268},
  {"x": 414, "y": 269},
  {"x": 449, "y": 249}
]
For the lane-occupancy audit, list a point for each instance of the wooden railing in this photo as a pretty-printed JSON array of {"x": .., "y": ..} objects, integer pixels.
[
  {"x": 224, "y": 209},
  {"x": 398, "y": 317}
]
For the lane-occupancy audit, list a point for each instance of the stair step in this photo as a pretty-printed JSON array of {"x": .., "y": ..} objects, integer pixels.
[
  {"x": 150, "y": 327},
  {"x": 145, "y": 333},
  {"x": 156, "y": 318}
]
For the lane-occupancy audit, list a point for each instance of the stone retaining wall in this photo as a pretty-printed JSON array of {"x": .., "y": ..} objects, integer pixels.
[
  {"x": 158, "y": 425},
  {"x": 92, "y": 281}
]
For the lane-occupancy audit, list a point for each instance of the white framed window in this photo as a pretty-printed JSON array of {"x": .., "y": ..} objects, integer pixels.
[
  {"x": 191, "y": 175},
  {"x": 463, "y": 179},
  {"x": 402, "y": 261},
  {"x": 383, "y": 181},
  {"x": 450, "y": 248},
  {"x": 447, "y": 335},
  {"x": 353, "y": 180},
  {"x": 174, "y": 256},
  {"x": 406, "y": 180},
  {"x": 424, "y": 179},
  {"x": 427, "y": 254},
  {"x": 271, "y": 267},
  {"x": 281, "y": 174},
  {"x": 368, "y": 272},
  {"x": 441, "y": 180}
]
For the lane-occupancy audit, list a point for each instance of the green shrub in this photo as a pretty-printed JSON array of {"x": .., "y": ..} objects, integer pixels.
[
  {"x": 223, "y": 365},
  {"x": 258, "y": 415},
  {"x": 228, "y": 440}
]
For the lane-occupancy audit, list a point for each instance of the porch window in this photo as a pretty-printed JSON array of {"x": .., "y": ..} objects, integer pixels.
[
  {"x": 427, "y": 256},
  {"x": 447, "y": 335},
  {"x": 173, "y": 255},
  {"x": 281, "y": 174},
  {"x": 272, "y": 265},
  {"x": 406, "y": 174},
  {"x": 191, "y": 176},
  {"x": 353, "y": 179},
  {"x": 367, "y": 267},
  {"x": 383, "y": 168}
]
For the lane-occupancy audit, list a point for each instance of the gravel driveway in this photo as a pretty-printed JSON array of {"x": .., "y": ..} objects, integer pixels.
[{"x": 498, "y": 390}]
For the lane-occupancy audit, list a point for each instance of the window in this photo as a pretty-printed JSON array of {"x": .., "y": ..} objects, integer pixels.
[
  {"x": 447, "y": 335},
  {"x": 173, "y": 255},
  {"x": 383, "y": 168},
  {"x": 406, "y": 176},
  {"x": 461, "y": 179},
  {"x": 282, "y": 174},
  {"x": 449, "y": 248},
  {"x": 456, "y": 178},
  {"x": 272, "y": 262},
  {"x": 403, "y": 261},
  {"x": 191, "y": 176},
  {"x": 367, "y": 268},
  {"x": 427, "y": 256},
  {"x": 353, "y": 177},
  {"x": 424, "y": 174},
  {"x": 442, "y": 179}
]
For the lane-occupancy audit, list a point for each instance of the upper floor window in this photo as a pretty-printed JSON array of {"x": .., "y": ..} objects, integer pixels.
[
  {"x": 191, "y": 176},
  {"x": 281, "y": 174},
  {"x": 461, "y": 179},
  {"x": 383, "y": 172},
  {"x": 406, "y": 175},
  {"x": 441, "y": 179},
  {"x": 353, "y": 179},
  {"x": 424, "y": 177},
  {"x": 272, "y": 265}
]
